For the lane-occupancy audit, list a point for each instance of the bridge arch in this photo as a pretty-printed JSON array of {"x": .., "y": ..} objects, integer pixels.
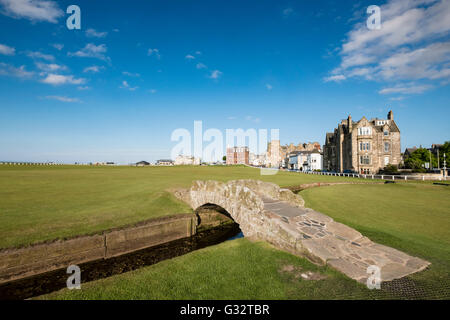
[{"x": 242, "y": 204}]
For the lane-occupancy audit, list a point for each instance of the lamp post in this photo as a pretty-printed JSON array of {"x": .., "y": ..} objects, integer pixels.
[{"x": 445, "y": 168}]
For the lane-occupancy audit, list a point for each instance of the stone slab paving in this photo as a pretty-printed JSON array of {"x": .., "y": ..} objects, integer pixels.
[{"x": 342, "y": 247}]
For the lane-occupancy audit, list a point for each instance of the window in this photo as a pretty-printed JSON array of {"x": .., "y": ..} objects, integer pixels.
[
  {"x": 364, "y": 131},
  {"x": 386, "y": 147},
  {"x": 364, "y": 146},
  {"x": 386, "y": 161},
  {"x": 386, "y": 133},
  {"x": 365, "y": 159}
]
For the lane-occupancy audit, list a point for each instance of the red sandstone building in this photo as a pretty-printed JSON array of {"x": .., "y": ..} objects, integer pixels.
[{"x": 238, "y": 155}]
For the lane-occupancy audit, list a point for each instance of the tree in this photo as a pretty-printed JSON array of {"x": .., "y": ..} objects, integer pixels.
[
  {"x": 391, "y": 169},
  {"x": 418, "y": 159},
  {"x": 224, "y": 158}
]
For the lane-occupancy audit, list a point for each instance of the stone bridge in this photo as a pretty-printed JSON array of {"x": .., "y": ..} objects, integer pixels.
[{"x": 266, "y": 212}]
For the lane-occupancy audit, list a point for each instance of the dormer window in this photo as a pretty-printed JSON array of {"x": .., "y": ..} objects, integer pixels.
[
  {"x": 386, "y": 132},
  {"x": 364, "y": 131}
]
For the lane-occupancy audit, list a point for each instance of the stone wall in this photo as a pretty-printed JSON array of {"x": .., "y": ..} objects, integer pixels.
[{"x": 40, "y": 258}]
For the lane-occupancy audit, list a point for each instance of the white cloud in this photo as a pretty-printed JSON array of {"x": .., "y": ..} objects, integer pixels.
[
  {"x": 130, "y": 74},
  {"x": 58, "y": 46},
  {"x": 40, "y": 55},
  {"x": 253, "y": 119},
  {"x": 215, "y": 74},
  {"x": 430, "y": 62},
  {"x": 397, "y": 98},
  {"x": 58, "y": 79},
  {"x": 6, "y": 50},
  {"x": 152, "y": 91},
  {"x": 125, "y": 85},
  {"x": 12, "y": 71},
  {"x": 83, "y": 88},
  {"x": 335, "y": 78},
  {"x": 92, "y": 69},
  {"x": 34, "y": 10},
  {"x": 269, "y": 86},
  {"x": 51, "y": 67},
  {"x": 411, "y": 45},
  {"x": 190, "y": 57},
  {"x": 405, "y": 89},
  {"x": 92, "y": 51},
  {"x": 154, "y": 52},
  {"x": 200, "y": 66},
  {"x": 92, "y": 33},
  {"x": 63, "y": 99}
]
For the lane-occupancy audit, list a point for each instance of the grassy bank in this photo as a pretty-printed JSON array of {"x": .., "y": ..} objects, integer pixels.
[
  {"x": 412, "y": 218},
  {"x": 39, "y": 203},
  {"x": 235, "y": 269}
]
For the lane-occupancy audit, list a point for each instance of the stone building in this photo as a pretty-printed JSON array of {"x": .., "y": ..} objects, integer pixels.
[
  {"x": 276, "y": 153},
  {"x": 238, "y": 155},
  {"x": 186, "y": 160},
  {"x": 365, "y": 146},
  {"x": 164, "y": 162}
]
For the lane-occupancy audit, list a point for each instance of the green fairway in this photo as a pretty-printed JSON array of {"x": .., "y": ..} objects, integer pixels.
[
  {"x": 413, "y": 218},
  {"x": 39, "y": 203}
]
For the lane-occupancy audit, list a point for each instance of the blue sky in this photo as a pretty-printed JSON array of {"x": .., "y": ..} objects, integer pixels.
[{"x": 137, "y": 70}]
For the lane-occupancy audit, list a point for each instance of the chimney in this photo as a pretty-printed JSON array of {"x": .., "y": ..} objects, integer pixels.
[
  {"x": 390, "y": 115},
  {"x": 349, "y": 123}
]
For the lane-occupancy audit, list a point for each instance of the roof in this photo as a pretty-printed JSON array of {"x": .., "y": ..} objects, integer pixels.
[{"x": 410, "y": 150}]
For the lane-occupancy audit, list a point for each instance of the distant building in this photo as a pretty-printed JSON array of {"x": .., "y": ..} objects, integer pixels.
[
  {"x": 257, "y": 160},
  {"x": 365, "y": 146},
  {"x": 304, "y": 160},
  {"x": 435, "y": 148},
  {"x": 313, "y": 161},
  {"x": 238, "y": 155},
  {"x": 274, "y": 154},
  {"x": 142, "y": 163},
  {"x": 164, "y": 162},
  {"x": 277, "y": 154},
  {"x": 408, "y": 152},
  {"x": 186, "y": 160}
]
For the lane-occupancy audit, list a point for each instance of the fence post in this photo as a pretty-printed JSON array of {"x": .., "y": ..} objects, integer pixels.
[
  {"x": 393, "y": 177},
  {"x": 406, "y": 178},
  {"x": 423, "y": 178}
]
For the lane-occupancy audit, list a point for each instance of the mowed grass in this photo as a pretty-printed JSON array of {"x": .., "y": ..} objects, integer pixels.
[
  {"x": 237, "y": 269},
  {"x": 414, "y": 218},
  {"x": 42, "y": 203}
]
